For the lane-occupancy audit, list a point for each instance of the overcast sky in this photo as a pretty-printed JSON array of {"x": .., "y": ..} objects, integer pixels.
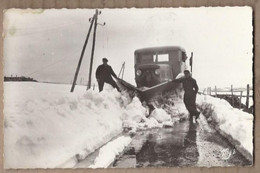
[{"x": 46, "y": 45}]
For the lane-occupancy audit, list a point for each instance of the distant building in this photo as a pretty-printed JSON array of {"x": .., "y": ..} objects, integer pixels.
[{"x": 19, "y": 79}]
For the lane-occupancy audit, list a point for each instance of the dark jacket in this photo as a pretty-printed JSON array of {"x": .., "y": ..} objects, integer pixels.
[
  {"x": 189, "y": 85},
  {"x": 104, "y": 72}
]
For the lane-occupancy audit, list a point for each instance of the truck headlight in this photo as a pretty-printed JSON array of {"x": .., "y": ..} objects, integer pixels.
[
  {"x": 157, "y": 71},
  {"x": 138, "y": 72}
]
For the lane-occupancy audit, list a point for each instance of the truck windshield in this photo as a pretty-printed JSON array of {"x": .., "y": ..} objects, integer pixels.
[
  {"x": 161, "y": 58},
  {"x": 152, "y": 58}
]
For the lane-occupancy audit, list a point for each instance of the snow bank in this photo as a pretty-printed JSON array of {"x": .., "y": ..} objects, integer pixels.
[
  {"x": 233, "y": 123},
  {"x": 173, "y": 104},
  {"x": 108, "y": 152},
  {"x": 45, "y": 125},
  {"x": 133, "y": 114}
]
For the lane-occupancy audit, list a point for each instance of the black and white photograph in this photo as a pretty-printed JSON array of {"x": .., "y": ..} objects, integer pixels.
[{"x": 128, "y": 87}]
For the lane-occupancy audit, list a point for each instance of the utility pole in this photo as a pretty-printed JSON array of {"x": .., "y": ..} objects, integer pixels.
[
  {"x": 81, "y": 56},
  {"x": 93, "y": 49}
]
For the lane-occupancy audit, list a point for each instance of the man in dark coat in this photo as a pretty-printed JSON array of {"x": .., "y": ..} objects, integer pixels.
[
  {"x": 190, "y": 90},
  {"x": 103, "y": 74}
]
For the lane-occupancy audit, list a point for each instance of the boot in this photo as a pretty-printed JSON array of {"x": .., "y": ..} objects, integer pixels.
[{"x": 197, "y": 115}]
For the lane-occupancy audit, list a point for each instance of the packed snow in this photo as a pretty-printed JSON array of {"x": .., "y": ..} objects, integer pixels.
[
  {"x": 234, "y": 123},
  {"x": 45, "y": 125},
  {"x": 160, "y": 115},
  {"x": 108, "y": 152}
]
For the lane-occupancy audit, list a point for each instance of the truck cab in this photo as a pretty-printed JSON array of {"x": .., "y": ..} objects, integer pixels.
[{"x": 157, "y": 65}]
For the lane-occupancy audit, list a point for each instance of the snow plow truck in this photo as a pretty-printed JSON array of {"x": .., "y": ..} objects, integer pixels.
[{"x": 155, "y": 70}]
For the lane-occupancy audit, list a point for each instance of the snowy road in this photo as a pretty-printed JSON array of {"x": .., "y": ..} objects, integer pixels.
[
  {"x": 185, "y": 144},
  {"x": 90, "y": 126}
]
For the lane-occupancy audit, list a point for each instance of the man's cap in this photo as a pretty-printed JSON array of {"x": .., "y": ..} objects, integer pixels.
[
  {"x": 105, "y": 59},
  {"x": 186, "y": 71}
]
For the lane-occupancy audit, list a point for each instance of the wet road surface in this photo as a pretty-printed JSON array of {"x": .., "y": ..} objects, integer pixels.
[
  {"x": 184, "y": 144},
  {"x": 170, "y": 147}
]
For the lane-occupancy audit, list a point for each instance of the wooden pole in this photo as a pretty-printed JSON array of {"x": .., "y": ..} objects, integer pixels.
[
  {"x": 216, "y": 90},
  {"x": 123, "y": 71},
  {"x": 92, "y": 51},
  {"x": 210, "y": 91},
  {"x": 241, "y": 93},
  {"x": 247, "y": 96},
  {"x": 81, "y": 57},
  {"x": 191, "y": 62},
  {"x": 232, "y": 96}
]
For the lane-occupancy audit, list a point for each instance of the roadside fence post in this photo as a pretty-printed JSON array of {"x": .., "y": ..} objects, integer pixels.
[{"x": 232, "y": 95}]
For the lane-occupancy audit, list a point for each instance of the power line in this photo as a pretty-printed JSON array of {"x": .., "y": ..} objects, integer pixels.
[
  {"x": 45, "y": 67},
  {"x": 49, "y": 65},
  {"x": 19, "y": 32}
]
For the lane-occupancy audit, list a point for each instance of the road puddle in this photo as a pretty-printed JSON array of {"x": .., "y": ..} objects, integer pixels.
[{"x": 174, "y": 146}]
